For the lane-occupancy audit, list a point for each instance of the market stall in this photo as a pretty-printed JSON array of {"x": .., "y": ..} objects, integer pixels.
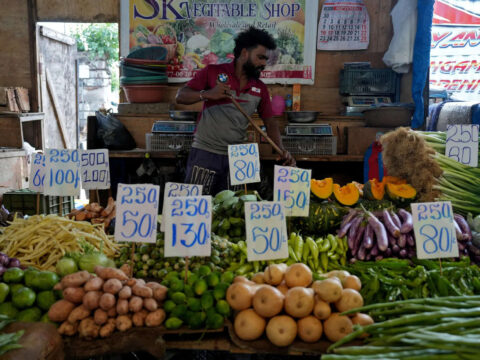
[{"x": 326, "y": 258}]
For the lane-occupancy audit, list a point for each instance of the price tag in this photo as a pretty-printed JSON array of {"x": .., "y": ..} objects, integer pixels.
[
  {"x": 95, "y": 169},
  {"x": 462, "y": 144},
  {"x": 434, "y": 230},
  {"x": 175, "y": 190},
  {"x": 188, "y": 230},
  {"x": 244, "y": 163},
  {"x": 62, "y": 171},
  {"x": 37, "y": 172},
  {"x": 266, "y": 230},
  {"x": 292, "y": 188},
  {"x": 137, "y": 209}
]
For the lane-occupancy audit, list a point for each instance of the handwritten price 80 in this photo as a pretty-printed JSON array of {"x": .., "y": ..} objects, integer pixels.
[
  {"x": 436, "y": 240},
  {"x": 269, "y": 236},
  {"x": 245, "y": 169},
  {"x": 461, "y": 154},
  {"x": 140, "y": 196},
  {"x": 143, "y": 225}
]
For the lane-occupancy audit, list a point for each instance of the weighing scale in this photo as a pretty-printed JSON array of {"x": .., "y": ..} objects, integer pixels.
[
  {"x": 173, "y": 127},
  {"x": 308, "y": 130},
  {"x": 357, "y": 104}
]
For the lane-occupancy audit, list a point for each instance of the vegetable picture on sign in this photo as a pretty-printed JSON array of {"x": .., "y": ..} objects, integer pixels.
[{"x": 196, "y": 34}]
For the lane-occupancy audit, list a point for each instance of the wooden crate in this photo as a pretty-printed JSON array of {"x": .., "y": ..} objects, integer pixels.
[{"x": 18, "y": 128}]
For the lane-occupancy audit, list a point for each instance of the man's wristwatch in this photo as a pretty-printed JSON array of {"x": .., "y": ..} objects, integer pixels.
[{"x": 201, "y": 95}]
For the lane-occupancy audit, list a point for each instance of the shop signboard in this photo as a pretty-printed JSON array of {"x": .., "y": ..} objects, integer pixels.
[{"x": 197, "y": 33}]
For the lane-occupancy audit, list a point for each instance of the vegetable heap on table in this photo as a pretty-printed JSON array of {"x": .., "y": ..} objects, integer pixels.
[
  {"x": 27, "y": 294},
  {"x": 95, "y": 213},
  {"x": 285, "y": 302},
  {"x": 395, "y": 279},
  {"x": 438, "y": 328},
  {"x": 96, "y": 306},
  {"x": 41, "y": 241}
]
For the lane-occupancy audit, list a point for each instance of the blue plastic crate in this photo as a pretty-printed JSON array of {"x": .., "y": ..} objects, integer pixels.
[{"x": 369, "y": 82}]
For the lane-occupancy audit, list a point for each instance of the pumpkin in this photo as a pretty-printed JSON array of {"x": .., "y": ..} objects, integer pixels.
[
  {"x": 401, "y": 192},
  {"x": 346, "y": 195},
  {"x": 322, "y": 188},
  {"x": 374, "y": 190},
  {"x": 323, "y": 218},
  {"x": 393, "y": 180}
]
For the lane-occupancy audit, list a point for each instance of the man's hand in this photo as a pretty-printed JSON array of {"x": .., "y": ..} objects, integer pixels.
[
  {"x": 221, "y": 91},
  {"x": 288, "y": 159}
]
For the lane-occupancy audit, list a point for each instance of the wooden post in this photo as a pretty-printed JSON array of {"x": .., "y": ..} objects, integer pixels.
[
  {"x": 60, "y": 205},
  {"x": 133, "y": 259},
  {"x": 38, "y": 203},
  {"x": 186, "y": 269},
  {"x": 246, "y": 192}
]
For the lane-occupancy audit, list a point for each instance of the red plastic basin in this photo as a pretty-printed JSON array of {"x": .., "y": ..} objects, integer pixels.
[{"x": 145, "y": 93}]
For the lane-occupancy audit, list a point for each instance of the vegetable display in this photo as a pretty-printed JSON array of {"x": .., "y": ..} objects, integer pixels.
[
  {"x": 438, "y": 328},
  {"x": 284, "y": 303},
  {"x": 95, "y": 213},
  {"x": 396, "y": 279},
  {"x": 374, "y": 236},
  {"x": 26, "y": 295},
  {"x": 323, "y": 218},
  {"x": 41, "y": 241},
  {"x": 96, "y": 306}
]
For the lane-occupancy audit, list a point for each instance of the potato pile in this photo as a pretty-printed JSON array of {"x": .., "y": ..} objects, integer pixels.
[
  {"x": 94, "y": 306},
  {"x": 284, "y": 303},
  {"x": 95, "y": 213}
]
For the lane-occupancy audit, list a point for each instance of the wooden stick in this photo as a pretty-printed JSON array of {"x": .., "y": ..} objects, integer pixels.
[
  {"x": 440, "y": 261},
  {"x": 38, "y": 203},
  {"x": 256, "y": 127},
  {"x": 246, "y": 192},
  {"x": 186, "y": 269},
  {"x": 133, "y": 259},
  {"x": 98, "y": 196},
  {"x": 60, "y": 205}
]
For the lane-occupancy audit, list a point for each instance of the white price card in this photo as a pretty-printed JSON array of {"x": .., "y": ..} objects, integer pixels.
[
  {"x": 244, "y": 163},
  {"x": 462, "y": 144},
  {"x": 95, "y": 169},
  {"x": 434, "y": 230},
  {"x": 62, "y": 170},
  {"x": 266, "y": 230},
  {"x": 37, "y": 172},
  {"x": 137, "y": 211},
  {"x": 292, "y": 188},
  {"x": 188, "y": 230},
  {"x": 175, "y": 190}
]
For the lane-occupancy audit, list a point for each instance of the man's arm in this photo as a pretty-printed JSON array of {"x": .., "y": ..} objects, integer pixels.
[
  {"x": 187, "y": 95},
  {"x": 274, "y": 133}
]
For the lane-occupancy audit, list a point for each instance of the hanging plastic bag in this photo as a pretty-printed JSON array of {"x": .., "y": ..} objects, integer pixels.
[{"x": 112, "y": 134}]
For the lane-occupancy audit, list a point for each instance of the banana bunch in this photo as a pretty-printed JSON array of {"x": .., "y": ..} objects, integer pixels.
[{"x": 317, "y": 253}]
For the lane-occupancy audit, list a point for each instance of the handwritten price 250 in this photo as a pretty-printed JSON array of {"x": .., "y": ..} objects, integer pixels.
[{"x": 140, "y": 196}]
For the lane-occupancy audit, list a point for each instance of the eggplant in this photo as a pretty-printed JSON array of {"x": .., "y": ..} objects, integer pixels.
[
  {"x": 361, "y": 252},
  {"x": 374, "y": 251},
  {"x": 368, "y": 237},
  {"x": 402, "y": 240},
  {"x": 4, "y": 259},
  {"x": 380, "y": 232},
  {"x": 378, "y": 257},
  {"x": 411, "y": 253},
  {"x": 407, "y": 224},
  {"x": 14, "y": 262},
  {"x": 403, "y": 253},
  {"x": 462, "y": 223},
  {"x": 352, "y": 232},
  {"x": 410, "y": 240},
  {"x": 391, "y": 240},
  {"x": 472, "y": 248},
  {"x": 395, "y": 249},
  {"x": 458, "y": 232},
  {"x": 358, "y": 240},
  {"x": 461, "y": 246},
  {"x": 396, "y": 219},
  {"x": 389, "y": 224},
  {"x": 388, "y": 252},
  {"x": 368, "y": 257},
  {"x": 346, "y": 223}
]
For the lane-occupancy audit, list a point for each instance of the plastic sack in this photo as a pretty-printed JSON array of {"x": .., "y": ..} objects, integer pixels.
[{"x": 112, "y": 134}]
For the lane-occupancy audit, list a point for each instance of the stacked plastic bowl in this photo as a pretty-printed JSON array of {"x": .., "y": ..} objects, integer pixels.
[{"x": 144, "y": 75}]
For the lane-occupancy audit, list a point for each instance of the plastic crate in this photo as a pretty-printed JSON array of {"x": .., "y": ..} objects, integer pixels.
[
  {"x": 169, "y": 142},
  {"x": 310, "y": 145},
  {"x": 25, "y": 201},
  {"x": 369, "y": 82}
]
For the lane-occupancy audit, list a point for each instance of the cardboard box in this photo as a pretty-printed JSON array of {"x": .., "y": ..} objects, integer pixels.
[{"x": 360, "y": 138}]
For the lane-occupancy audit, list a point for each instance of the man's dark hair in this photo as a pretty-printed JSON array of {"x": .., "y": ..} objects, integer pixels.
[{"x": 251, "y": 38}]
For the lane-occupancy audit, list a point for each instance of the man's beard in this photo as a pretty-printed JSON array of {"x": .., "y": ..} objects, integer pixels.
[{"x": 251, "y": 70}]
